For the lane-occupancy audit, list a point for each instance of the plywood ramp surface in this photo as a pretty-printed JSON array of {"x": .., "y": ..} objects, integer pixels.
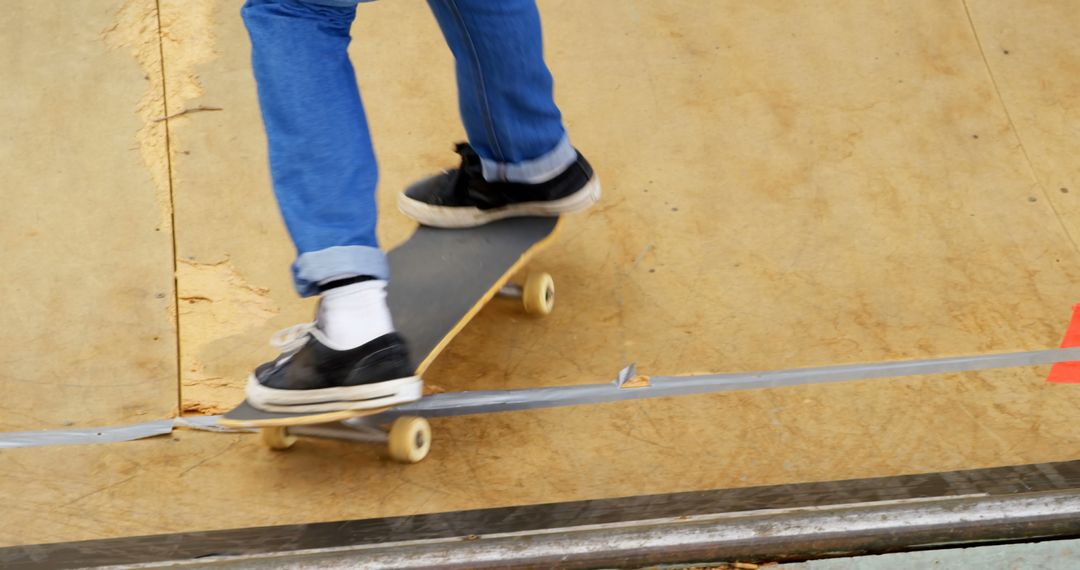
[
  {"x": 1033, "y": 54},
  {"x": 200, "y": 481},
  {"x": 785, "y": 186},
  {"x": 87, "y": 326}
]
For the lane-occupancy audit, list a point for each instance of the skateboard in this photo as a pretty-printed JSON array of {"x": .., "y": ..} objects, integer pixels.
[{"x": 440, "y": 279}]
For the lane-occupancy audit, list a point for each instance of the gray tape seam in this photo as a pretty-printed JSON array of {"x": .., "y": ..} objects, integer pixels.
[
  {"x": 490, "y": 401},
  {"x": 109, "y": 434},
  {"x": 464, "y": 403}
]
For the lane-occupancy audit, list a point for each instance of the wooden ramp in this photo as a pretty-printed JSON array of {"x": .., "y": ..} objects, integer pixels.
[{"x": 784, "y": 186}]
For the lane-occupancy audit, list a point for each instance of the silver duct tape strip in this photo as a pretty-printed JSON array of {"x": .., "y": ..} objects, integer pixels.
[
  {"x": 479, "y": 402},
  {"x": 110, "y": 434},
  {"x": 85, "y": 435},
  {"x": 465, "y": 403}
]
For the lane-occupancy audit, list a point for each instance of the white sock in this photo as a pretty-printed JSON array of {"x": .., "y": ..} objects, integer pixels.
[{"x": 355, "y": 314}]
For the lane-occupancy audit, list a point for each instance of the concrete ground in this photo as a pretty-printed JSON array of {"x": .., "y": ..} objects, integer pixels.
[
  {"x": 1051, "y": 555},
  {"x": 785, "y": 186}
]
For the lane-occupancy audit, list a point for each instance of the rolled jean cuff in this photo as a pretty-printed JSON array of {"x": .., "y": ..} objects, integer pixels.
[
  {"x": 540, "y": 169},
  {"x": 314, "y": 266}
]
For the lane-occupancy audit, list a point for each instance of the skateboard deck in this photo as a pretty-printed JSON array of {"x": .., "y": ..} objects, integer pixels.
[{"x": 440, "y": 279}]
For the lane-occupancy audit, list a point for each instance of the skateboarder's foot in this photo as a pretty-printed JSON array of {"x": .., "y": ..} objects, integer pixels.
[
  {"x": 329, "y": 365},
  {"x": 462, "y": 198}
]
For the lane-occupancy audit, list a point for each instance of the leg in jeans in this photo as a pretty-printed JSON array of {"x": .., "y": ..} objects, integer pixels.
[
  {"x": 505, "y": 88},
  {"x": 519, "y": 161},
  {"x": 324, "y": 176},
  {"x": 321, "y": 158}
]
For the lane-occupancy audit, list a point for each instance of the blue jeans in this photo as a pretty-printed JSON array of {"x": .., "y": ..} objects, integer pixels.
[{"x": 321, "y": 159}]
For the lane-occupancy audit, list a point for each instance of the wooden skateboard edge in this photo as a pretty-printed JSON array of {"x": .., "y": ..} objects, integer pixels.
[
  {"x": 315, "y": 418},
  {"x": 488, "y": 295}
]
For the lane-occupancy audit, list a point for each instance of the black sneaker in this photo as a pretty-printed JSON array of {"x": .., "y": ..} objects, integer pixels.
[
  {"x": 461, "y": 198},
  {"x": 309, "y": 376}
]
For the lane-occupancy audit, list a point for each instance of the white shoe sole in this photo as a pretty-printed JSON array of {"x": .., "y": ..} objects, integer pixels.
[
  {"x": 464, "y": 217},
  {"x": 363, "y": 397}
]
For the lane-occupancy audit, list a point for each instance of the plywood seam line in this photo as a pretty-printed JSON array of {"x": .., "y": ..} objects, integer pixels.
[
  {"x": 1015, "y": 131},
  {"x": 172, "y": 205},
  {"x": 493, "y": 401}
]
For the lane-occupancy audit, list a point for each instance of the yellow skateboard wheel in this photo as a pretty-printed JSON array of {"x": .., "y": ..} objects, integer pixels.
[
  {"x": 410, "y": 439},
  {"x": 538, "y": 294},
  {"x": 277, "y": 438}
]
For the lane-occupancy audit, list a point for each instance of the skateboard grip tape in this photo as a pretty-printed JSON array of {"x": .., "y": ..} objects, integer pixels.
[{"x": 1068, "y": 372}]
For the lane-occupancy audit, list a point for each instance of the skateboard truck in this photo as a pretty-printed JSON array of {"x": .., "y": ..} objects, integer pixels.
[{"x": 408, "y": 438}]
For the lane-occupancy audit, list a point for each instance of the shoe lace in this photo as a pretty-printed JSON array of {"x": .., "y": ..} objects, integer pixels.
[
  {"x": 291, "y": 339},
  {"x": 470, "y": 171}
]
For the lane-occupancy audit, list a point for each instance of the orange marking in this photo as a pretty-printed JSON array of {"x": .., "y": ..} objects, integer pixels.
[{"x": 1068, "y": 372}]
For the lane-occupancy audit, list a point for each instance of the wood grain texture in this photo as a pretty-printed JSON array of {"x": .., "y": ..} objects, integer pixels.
[{"x": 1033, "y": 56}]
